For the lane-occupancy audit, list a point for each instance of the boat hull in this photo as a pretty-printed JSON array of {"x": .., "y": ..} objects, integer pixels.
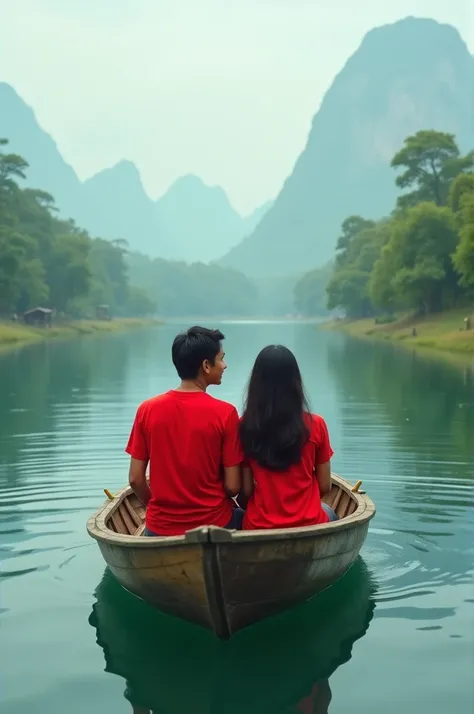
[
  {"x": 262, "y": 579},
  {"x": 227, "y": 580}
]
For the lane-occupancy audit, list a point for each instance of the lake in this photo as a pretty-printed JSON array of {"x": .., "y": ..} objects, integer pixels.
[{"x": 395, "y": 634}]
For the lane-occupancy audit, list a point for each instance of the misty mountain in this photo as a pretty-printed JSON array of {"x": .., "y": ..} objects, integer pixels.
[
  {"x": 48, "y": 170},
  {"x": 412, "y": 75},
  {"x": 192, "y": 221},
  {"x": 113, "y": 204},
  {"x": 199, "y": 221}
]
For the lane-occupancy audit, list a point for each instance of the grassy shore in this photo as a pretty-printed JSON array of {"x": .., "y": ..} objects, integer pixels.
[
  {"x": 16, "y": 334},
  {"x": 443, "y": 332}
]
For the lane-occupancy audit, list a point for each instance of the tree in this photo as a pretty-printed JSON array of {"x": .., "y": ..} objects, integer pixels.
[
  {"x": 463, "y": 257},
  {"x": 139, "y": 303},
  {"x": 430, "y": 159},
  {"x": 359, "y": 248},
  {"x": 462, "y": 185},
  {"x": 381, "y": 290},
  {"x": 109, "y": 273},
  {"x": 13, "y": 248},
  {"x": 12, "y": 167},
  {"x": 420, "y": 284},
  {"x": 33, "y": 211},
  {"x": 310, "y": 291},
  {"x": 417, "y": 262},
  {"x": 347, "y": 289},
  {"x": 69, "y": 271},
  {"x": 350, "y": 229},
  {"x": 33, "y": 287}
]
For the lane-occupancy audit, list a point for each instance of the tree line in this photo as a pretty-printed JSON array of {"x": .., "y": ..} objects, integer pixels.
[
  {"x": 421, "y": 257},
  {"x": 196, "y": 289},
  {"x": 51, "y": 262}
]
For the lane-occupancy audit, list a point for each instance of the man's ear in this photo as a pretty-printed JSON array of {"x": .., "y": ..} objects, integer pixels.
[{"x": 206, "y": 367}]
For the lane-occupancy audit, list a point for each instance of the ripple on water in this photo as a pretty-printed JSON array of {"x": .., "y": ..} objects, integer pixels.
[{"x": 60, "y": 448}]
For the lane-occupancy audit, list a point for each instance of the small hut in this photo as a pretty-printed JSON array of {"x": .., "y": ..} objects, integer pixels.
[
  {"x": 38, "y": 316},
  {"x": 103, "y": 312}
]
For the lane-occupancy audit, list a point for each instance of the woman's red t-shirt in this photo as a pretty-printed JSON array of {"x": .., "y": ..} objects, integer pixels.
[{"x": 289, "y": 499}]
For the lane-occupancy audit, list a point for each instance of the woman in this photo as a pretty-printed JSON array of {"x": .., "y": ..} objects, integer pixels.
[{"x": 286, "y": 448}]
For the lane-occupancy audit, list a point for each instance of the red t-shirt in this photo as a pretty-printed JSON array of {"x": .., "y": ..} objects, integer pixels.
[
  {"x": 287, "y": 499},
  {"x": 188, "y": 437}
]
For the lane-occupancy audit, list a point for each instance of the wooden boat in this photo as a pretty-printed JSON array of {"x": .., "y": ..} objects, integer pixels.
[{"x": 226, "y": 580}]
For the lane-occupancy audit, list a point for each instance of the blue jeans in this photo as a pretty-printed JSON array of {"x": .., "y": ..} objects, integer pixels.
[
  {"x": 330, "y": 511},
  {"x": 235, "y": 523}
]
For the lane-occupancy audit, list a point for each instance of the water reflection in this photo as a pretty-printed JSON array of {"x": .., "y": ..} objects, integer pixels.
[
  {"x": 280, "y": 665},
  {"x": 46, "y": 389},
  {"x": 407, "y": 425},
  {"x": 430, "y": 404}
]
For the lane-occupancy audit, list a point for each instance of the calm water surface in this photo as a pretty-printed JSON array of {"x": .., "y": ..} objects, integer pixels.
[{"x": 395, "y": 634}]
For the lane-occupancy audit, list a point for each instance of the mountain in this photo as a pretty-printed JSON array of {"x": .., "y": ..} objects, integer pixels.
[
  {"x": 199, "y": 221},
  {"x": 114, "y": 204},
  {"x": 252, "y": 221},
  {"x": 411, "y": 75},
  {"x": 48, "y": 170},
  {"x": 192, "y": 221}
]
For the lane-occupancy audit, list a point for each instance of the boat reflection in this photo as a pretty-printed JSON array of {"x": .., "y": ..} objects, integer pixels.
[{"x": 282, "y": 665}]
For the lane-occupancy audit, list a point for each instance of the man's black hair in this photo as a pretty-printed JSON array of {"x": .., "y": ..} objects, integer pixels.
[{"x": 192, "y": 347}]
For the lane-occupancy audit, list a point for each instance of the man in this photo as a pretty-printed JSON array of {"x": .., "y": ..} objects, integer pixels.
[{"x": 192, "y": 443}]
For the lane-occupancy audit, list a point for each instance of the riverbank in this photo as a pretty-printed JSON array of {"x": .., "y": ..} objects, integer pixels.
[
  {"x": 444, "y": 332},
  {"x": 15, "y": 334}
]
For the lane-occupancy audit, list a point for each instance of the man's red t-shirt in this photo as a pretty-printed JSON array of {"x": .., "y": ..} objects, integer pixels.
[
  {"x": 287, "y": 499},
  {"x": 188, "y": 437}
]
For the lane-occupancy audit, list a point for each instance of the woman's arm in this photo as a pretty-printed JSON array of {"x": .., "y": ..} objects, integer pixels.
[
  {"x": 322, "y": 467},
  {"x": 323, "y": 477}
]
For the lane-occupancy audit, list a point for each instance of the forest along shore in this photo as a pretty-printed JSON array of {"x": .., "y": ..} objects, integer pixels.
[
  {"x": 445, "y": 332},
  {"x": 16, "y": 334},
  {"x": 409, "y": 277}
]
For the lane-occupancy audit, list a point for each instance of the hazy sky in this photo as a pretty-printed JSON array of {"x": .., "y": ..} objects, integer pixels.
[{"x": 225, "y": 89}]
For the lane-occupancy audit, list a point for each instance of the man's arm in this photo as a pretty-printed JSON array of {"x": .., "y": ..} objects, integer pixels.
[
  {"x": 137, "y": 448},
  {"x": 232, "y": 454},
  {"x": 137, "y": 480},
  {"x": 247, "y": 487},
  {"x": 232, "y": 480}
]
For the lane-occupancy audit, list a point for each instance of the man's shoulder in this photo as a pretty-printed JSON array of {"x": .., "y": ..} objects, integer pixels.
[
  {"x": 221, "y": 406},
  {"x": 151, "y": 402}
]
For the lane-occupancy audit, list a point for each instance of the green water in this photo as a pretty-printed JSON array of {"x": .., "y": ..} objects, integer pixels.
[{"x": 396, "y": 634}]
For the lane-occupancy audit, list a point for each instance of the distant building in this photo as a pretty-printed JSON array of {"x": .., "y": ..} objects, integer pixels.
[
  {"x": 38, "y": 316},
  {"x": 103, "y": 312}
]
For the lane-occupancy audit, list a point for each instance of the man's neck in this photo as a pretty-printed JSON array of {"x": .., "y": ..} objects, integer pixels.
[{"x": 192, "y": 385}]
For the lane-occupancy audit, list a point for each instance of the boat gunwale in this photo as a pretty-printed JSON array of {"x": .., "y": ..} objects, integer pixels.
[{"x": 97, "y": 529}]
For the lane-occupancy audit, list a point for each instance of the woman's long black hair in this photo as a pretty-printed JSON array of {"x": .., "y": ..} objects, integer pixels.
[{"x": 273, "y": 429}]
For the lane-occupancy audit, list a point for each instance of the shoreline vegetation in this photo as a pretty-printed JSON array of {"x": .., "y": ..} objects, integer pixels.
[
  {"x": 408, "y": 277},
  {"x": 17, "y": 334},
  {"x": 443, "y": 332}
]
